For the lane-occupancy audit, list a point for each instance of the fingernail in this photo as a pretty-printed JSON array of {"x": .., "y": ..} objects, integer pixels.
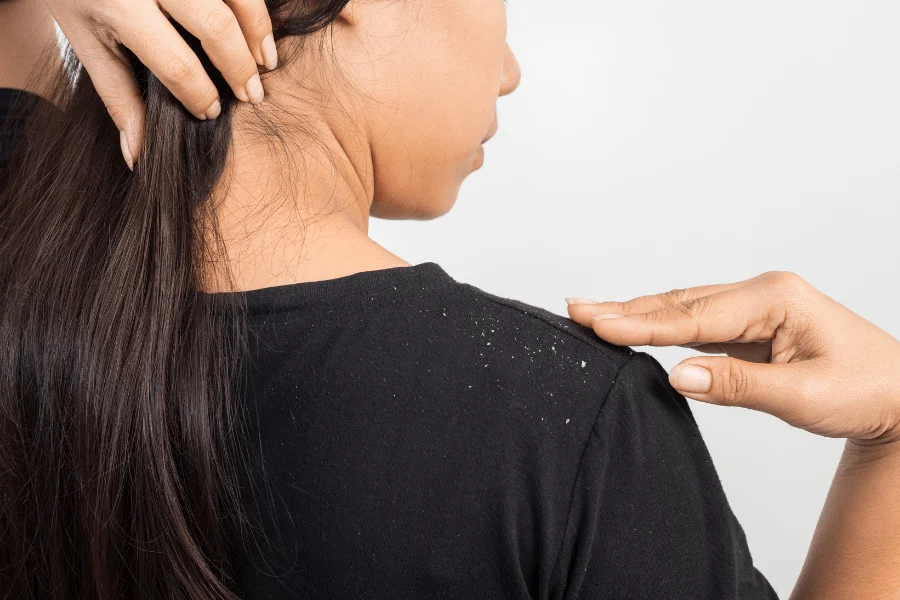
[
  {"x": 269, "y": 52},
  {"x": 575, "y": 301},
  {"x": 607, "y": 317},
  {"x": 255, "y": 90},
  {"x": 214, "y": 111},
  {"x": 126, "y": 151},
  {"x": 691, "y": 379}
]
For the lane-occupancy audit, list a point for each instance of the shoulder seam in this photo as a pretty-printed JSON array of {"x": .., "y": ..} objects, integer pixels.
[
  {"x": 587, "y": 444},
  {"x": 503, "y": 302}
]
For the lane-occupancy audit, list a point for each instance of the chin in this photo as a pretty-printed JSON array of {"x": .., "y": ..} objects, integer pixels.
[
  {"x": 420, "y": 209},
  {"x": 479, "y": 158}
]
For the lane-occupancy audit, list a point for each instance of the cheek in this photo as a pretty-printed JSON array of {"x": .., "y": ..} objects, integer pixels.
[
  {"x": 447, "y": 79},
  {"x": 461, "y": 76}
]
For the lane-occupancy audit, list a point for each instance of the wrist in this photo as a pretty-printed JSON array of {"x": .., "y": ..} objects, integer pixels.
[
  {"x": 884, "y": 446},
  {"x": 882, "y": 393}
]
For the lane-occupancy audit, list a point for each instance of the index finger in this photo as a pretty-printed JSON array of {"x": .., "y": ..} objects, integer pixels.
[
  {"x": 583, "y": 311},
  {"x": 728, "y": 316}
]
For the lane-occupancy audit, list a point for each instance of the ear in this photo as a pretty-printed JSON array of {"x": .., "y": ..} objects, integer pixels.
[{"x": 349, "y": 14}]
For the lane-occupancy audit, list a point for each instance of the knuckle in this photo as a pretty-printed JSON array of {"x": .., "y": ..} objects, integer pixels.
[
  {"x": 785, "y": 279},
  {"x": 676, "y": 296},
  {"x": 673, "y": 297},
  {"x": 733, "y": 384},
  {"x": 653, "y": 318},
  {"x": 625, "y": 307},
  {"x": 118, "y": 111},
  {"x": 789, "y": 287},
  {"x": 218, "y": 25},
  {"x": 692, "y": 309},
  {"x": 262, "y": 24},
  {"x": 105, "y": 14},
  {"x": 180, "y": 69}
]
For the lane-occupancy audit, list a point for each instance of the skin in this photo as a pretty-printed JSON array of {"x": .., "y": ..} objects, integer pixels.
[
  {"x": 236, "y": 35},
  {"x": 384, "y": 120},
  {"x": 379, "y": 121},
  {"x": 24, "y": 50}
]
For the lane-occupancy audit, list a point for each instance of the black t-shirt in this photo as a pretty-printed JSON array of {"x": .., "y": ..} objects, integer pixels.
[
  {"x": 424, "y": 439},
  {"x": 14, "y": 104},
  {"x": 416, "y": 438}
]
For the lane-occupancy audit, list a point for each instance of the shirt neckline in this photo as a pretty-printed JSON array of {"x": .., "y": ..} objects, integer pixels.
[{"x": 362, "y": 286}]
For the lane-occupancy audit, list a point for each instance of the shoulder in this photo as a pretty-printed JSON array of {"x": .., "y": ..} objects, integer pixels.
[
  {"x": 647, "y": 490},
  {"x": 516, "y": 336},
  {"x": 535, "y": 378},
  {"x": 538, "y": 319},
  {"x": 524, "y": 348},
  {"x": 523, "y": 442},
  {"x": 615, "y": 450},
  {"x": 564, "y": 369}
]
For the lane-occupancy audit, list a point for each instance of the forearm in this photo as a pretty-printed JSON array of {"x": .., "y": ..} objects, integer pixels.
[
  {"x": 855, "y": 552},
  {"x": 27, "y": 42}
]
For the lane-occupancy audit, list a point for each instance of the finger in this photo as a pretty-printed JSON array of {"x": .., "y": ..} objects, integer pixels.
[
  {"x": 778, "y": 390},
  {"x": 160, "y": 47},
  {"x": 724, "y": 317},
  {"x": 213, "y": 23},
  {"x": 583, "y": 311},
  {"x": 253, "y": 17},
  {"x": 757, "y": 352},
  {"x": 114, "y": 81}
]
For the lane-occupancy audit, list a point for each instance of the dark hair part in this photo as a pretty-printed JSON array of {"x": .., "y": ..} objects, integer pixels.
[{"x": 120, "y": 414}]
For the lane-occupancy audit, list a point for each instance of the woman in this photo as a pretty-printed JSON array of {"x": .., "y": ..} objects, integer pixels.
[{"x": 407, "y": 436}]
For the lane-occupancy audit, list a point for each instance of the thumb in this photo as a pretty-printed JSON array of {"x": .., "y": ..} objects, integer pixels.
[{"x": 731, "y": 382}]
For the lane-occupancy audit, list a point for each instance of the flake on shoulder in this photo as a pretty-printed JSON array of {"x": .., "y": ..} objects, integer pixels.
[{"x": 617, "y": 354}]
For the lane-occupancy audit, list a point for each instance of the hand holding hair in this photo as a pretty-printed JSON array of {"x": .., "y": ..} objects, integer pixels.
[
  {"x": 236, "y": 34},
  {"x": 791, "y": 352}
]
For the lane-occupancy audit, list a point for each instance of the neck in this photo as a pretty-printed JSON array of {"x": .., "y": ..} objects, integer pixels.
[
  {"x": 296, "y": 209},
  {"x": 29, "y": 51}
]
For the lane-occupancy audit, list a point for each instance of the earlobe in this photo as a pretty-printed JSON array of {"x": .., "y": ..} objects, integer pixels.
[{"x": 348, "y": 14}]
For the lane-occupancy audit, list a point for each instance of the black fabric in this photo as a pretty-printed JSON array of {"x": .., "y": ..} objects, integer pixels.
[
  {"x": 416, "y": 438},
  {"x": 14, "y": 105},
  {"x": 423, "y": 439}
]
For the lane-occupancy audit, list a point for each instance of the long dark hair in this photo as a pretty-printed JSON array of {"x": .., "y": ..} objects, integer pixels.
[{"x": 120, "y": 414}]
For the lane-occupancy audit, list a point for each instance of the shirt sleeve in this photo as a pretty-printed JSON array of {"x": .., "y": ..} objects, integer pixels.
[{"x": 648, "y": 517}]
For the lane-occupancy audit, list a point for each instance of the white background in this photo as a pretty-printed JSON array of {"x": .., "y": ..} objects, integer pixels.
[{"x": 659, "y": 144}]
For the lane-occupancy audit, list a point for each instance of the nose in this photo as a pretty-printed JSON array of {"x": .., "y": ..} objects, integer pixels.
[{"x": 512, "y": 74}]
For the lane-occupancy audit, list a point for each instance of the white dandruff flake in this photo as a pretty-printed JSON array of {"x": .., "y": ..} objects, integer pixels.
[
  {"x": 567, "y": 421},
  {"x": 583, "y": 364}
]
